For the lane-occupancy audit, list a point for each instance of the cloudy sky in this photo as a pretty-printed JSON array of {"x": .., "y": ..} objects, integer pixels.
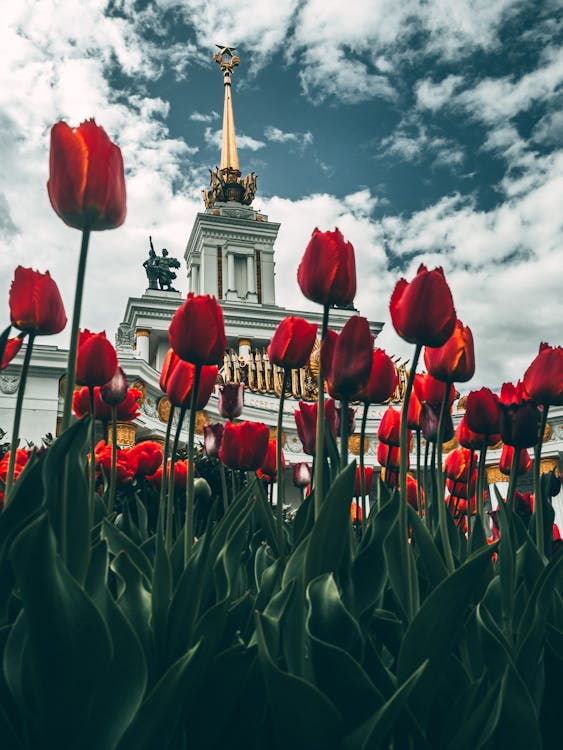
[{"x": 426, "y": 131}]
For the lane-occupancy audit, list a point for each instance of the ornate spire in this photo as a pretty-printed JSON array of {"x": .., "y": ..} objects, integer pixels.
[{"x": 225, "y": 183}]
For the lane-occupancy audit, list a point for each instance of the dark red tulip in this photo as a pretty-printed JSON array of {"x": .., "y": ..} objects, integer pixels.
[
  {"x": 244, "y": 445},
  {"x": 180, "y": 384},
  {"x": 292, "y": 343},
  {"x": 429, "y": 422},
  {"x": 125, "y": 468},
  {"x": 126, "y": 411},
  {"x": 454, "y": 361},
  {"x": 415, "y": 410},
  {"x": 302, "y": 474},
  {"x": 327, "y": 272},
  {"x": 35, "y": 303},
  {"x": 543, "y": 380},
  {"x": 482, "y": 412},
  {"x": 505, "y": 461},
  {"x": 180, "y": 475},
  {"x": 473, "y": 440},
  {"x": 520, "y": 418},
  {"x": 306, "y": 422},
  {"x": 422, "y": 311},
  {"x": 392, "y": 479},
  {"x": 96, "y": 361},
  {"x": 22, "y": 457},
  {"x": 333, "y": 417},
  {"x": 212, "y": 435},
  {"x": 347, "y": 358},
  {"x": 197, "y": 331},
  {"x": 368, "y": 476},
  {"x": 86, "y": 182},
  {"x": 170, "y": 361},
  {"x": 389, "y": 427},
  {"x": 388, "y": 456},
  {"x": 268, "y": 469},
  {"x": 146, "y": 457},
  {"x": 115, "y": 390},
  {"x": 429, "y": 389},
  {"x": 351, "y": 419},
  {"x": 383, "y": 379},
  {"x": 231, "y": 400},
  {"x": 12, "y": 348}
]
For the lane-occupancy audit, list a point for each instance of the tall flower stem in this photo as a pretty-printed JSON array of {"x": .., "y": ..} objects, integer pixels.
[
  {"x": 442, "y": 510},
  {"x": 113, "y": 474},
  {"x": 166, "y": 454},
  {"x": 189, "y": 529},
  {"x": 170, "y": 499},
  {"x": 344, "y": 430},
  {"x": 427, "y": 517},
  {"x": 17, "y": 417},
  {"x": 538, "y": 506},
  {"x": 224, "y": 487},
  {"x": 362, "y": 466},
  {"x": 318, "y": 481},
  {"x": 92, "y": 476},
  {"x": 418, "y": 475},
  {"x": 403, "y": 522},
  {"x": 512, "y": 480},
  {"x": 469, "y": 475},
  {"x": 71, "y": 363},
  {"x": 279, "y": 454}
]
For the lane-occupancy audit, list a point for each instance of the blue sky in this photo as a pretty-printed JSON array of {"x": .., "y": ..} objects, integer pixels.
[{"x": 427, "y": 131}]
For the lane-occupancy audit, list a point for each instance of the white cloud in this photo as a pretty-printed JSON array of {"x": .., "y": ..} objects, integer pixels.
[
  {"x": 201, "y": 117},
  {"x": 432, "y": 95},
  {"x": 213, "y": 138},
  {"x": 412, "y": 142},
  {"x": 276, "y": 135}
]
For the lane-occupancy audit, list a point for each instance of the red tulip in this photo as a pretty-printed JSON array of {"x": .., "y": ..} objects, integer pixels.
[
  {"x": 180, "y": 475},
  {"x": 454, "y": 361},
  {"x": 457, "y": 463},
  {"x": 180, "y": 384},
  {"x": 292, "y": 343},
  {"x": 212, "y": 436},
  {"x": 125, "y": 469},
  {"x": 22, "y": 457},
  {"x": 35, "y": 303},
  {"x": 543, "y": 380},
  {"x": 306, "y": 422},
  {"x": 197, "y": 331},
  {"x": 389, "y": 456},
  {"x": 389, "y": 427},
  {"x": 268, "y": 470},
  {"x": 392, "y": 479},
  {"x": 505, "y": 461},
  {"x": 338, "y": 420},
  {"x": 355, "y": 512},
  {"x": 422, "y": 311},
  {"x": 430, "y": 420},
  {"x": 482, "y": 412},
  {"x": 146, "y": 456},
  {"x": 347, "y": 358},
  {"x": 524, "y": 504},
  {"x": 368, "y": 476},
  {"x": 327, "y": 272},
  {"x": 429, "y": 389},
  {"x": 86, "y": 182},
  {"x": 415, "y": 410},
  {"x": 126, "y": 411},
  {"x": 170, "y": 361},
  {"x": 96, "y": 361},
  {"x": 520, "y": 419},
  {"x": 231, "y": 400},
  {"x": 473, "y": 440},
  {"x": 12, "y": 348},
  {"x": 383, "y": 379},
  {"x": 302, "y": 474},
  {"x": 244, "y": 445}
]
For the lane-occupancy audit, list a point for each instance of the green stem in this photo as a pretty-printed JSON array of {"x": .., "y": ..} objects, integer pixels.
[
  {"x": 427, "y": 518},
  {"x": 73, "y": 348},
  {"x": 224, "y": 488},
  {"x": 344, "y": 433},
  {"x": 362, "y": 466},
  {"x": 538, "y": 497},
  {"x": 171, "y": 493},
  {"x": 418, "y": 476},
  {"x": 113, "y": 475},
  {"x": 320, "y": 437},
  {"x": 481, "y": 473},
  {"x": 442, "y": 510},
  {"x": 402, "y": 520},
  {"x": 471, "y": 464},
  {"x": 189, "y": 530},
  {"x": 513, "y": 478},
  {"x": 92, "y": 477},
  {"x": 165, "y": 455},
  {"x": 279, "y": 453},
  {"x": 17, "y": 418}
]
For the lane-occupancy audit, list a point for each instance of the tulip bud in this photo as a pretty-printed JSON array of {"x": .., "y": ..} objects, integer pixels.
[
  {"x": 202, "y": 490},
  {"x": 551, "y": 483},
  {"x": 520, "y": 419},
  {"x": 543, "y": 380},
  {"x": 506, "y": 456},
  {"x": 292, "y": 343},
  {"x": 302, "y": 474},
  {"x": 231, "y": 400},
  {"x": 115, "y": 390},
  {"x": 11, "y": 349},
  {"x": 327, "y": 272},
  {"x": 429, "y": 420},
  {"x": 212, "y": 434},
  {"x": 96, "y": 360},
  {"x": 35, "y": 302}
]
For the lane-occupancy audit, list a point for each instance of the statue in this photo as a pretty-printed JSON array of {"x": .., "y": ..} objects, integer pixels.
[{"x": 159, "y": 270}]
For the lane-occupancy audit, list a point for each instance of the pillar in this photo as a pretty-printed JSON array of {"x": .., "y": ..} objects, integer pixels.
[{"x": 142, "y": 344}]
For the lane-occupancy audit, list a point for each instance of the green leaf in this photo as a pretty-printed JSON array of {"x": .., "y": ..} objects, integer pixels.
[
  {"x": 372, "y": 733},
  {"x": 430, "y": 556},
  {"x": 478, "y": 724},
  {"x": 304, "y": 519},
  {"x": 161, "y": 596},
  {"x": 328, "y": 539},
  {"x": 118, "y": 541},
  {"x": 135, "y": 602},
  {"x": 266, "y": 519},
  {"x": 66, "y": 459},
  {"x": 308, "y": 721},
  {"x": 397, "y": 576},
  {"x": 328, "y": 619}
]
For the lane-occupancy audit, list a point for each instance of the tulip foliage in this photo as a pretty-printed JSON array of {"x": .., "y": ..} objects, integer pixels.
[{"x": 190, "y": 615}]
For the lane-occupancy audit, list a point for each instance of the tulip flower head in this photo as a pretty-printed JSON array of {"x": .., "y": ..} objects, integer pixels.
[
  {"x": 292, "y": 343},
  {"x": 454, "y": 361},
  {"x": 306, "y": 423},
  {"x": 520, "y": 418},
  {"x": 347, "y": 358},
  {"x": 389, "y": 427},
  {"x": 212, "y": 436},
  {"x": 115, "y": 390},
  {"x": 506, "y": 456},
  {"x": 231, "y": 400},
  {"x": 543, "y": 380},
  {"x": 383, "y": 379},
  {"x": 244, "y": 445},
  {"x": 268, "y": 469},
  {"x": 146, "y": 456},
  {"x": 179, "y": 388},
  {"x": 482, "y": 412},
  {"x": 11, "y": 349},
  {"x": 126, "y": 411},
  {"x": 368, "y": 476},
  {"x": 302, "y": 474},
  {"x": 197, "y": 331},
  {"x": 35, "y": 302},
  {"x": 422, "y": 311},
  {"x": 327, "y": 272},
  {"x": 170, "y": 361},
  {"x": 86, "y": 182},
  {"x": 96, "y": 360}
]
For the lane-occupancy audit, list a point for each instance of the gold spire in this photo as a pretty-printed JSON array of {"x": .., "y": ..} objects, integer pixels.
[
  {"x": 225, "y": 183},
  {"x": 227, "y": 62}
]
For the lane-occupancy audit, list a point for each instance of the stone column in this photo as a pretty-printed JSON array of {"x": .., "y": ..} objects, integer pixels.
[
  {"x": 195, "y": 279},
  {"x": 250, "y": 279},
  {"x": 231, "y": 285},
  {"x": 142, "y": 344},
  {"x": 244, "y": 349}
]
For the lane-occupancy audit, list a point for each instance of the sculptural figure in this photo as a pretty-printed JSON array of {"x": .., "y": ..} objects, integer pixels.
[{"x": 159, "y": 269}]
